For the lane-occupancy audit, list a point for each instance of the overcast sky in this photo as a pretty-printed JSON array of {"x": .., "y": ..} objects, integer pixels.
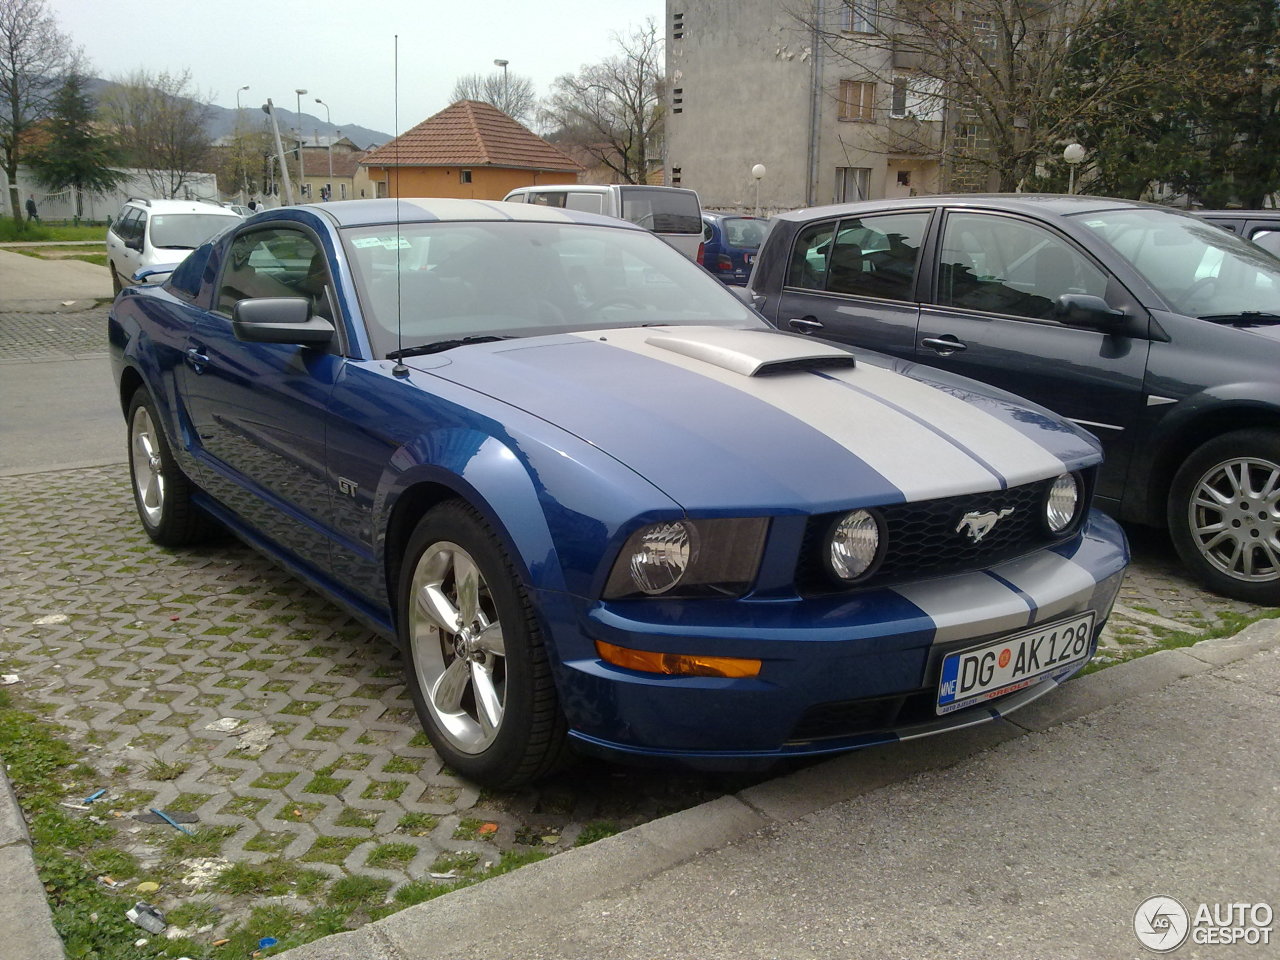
[{"x": 343, "y": 51}]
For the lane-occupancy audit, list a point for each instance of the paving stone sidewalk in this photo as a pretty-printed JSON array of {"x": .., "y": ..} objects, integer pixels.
[
  {"x": 210, "y": 683},
  {"x": 74, "y": 333}
]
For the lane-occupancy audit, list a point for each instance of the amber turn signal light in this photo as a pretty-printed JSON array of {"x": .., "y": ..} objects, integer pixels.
[{"x": 677, "y": 664}]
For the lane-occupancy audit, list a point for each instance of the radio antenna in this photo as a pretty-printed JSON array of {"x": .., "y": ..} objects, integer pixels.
[{"x": 399, "y": 370}]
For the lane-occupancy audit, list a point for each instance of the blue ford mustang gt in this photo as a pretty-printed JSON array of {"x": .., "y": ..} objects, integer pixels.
[{"x": 596, "y": 500}]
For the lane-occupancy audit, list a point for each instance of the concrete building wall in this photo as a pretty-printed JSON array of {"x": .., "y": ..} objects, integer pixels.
[
  {"x": 747, "y": 81},
  {"x": 739, "y": 81}
]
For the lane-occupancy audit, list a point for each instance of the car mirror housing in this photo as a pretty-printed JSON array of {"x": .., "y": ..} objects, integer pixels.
[
  {"x": 279, "y": 320},
  {"x": 1086, "y": 310}
]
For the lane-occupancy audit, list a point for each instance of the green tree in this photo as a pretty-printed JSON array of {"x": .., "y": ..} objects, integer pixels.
[
  {"x": 1205, "y": 120},
  {"x": 33, "y": 55},
  {"x": 75, "y": 154}
]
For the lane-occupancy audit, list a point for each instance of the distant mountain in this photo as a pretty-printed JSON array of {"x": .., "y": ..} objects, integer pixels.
[{"x": 222, "y": 121}]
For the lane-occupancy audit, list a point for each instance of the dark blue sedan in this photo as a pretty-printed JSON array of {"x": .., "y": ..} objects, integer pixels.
[
  {"x": 729, "y": 245},
  {"x": 596, "y": 500}
]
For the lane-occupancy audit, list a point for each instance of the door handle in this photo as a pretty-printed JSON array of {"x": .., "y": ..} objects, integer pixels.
[
  {"x": 945, "y": 346},
  {"x": 196, "y": 359},
  {"x": 804, "y": 324}
]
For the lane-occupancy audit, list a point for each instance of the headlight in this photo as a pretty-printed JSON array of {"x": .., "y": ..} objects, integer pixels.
[
  {"x": 855, "y": 545},
  {"x": 689, "y": 558},
  {"x": 1062, "y": 503}
]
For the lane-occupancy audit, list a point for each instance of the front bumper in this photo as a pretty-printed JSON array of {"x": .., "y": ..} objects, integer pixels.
[{"x": 838, "y": 673}]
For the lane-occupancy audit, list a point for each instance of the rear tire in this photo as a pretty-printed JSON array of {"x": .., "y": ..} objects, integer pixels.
[
  {"x": 475, "y": 661},
  {"x": 1224, "y": 515},
  {"x": 161, "y": 491}
]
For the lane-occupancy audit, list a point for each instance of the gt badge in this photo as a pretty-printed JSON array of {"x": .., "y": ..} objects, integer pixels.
[{"x": 978, "y": 525}]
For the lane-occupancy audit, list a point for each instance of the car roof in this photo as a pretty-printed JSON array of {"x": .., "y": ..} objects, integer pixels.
[
  {"x": 359, "y": 213},
  {"x": 179, "y": 206},
  {"x": 1031, "y": 203}
]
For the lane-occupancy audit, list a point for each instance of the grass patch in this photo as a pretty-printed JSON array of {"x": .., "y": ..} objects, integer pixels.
[
  {"x": 43, "y": 232},
  {"x": 464, "y": 862},
  {"x": 391, "y": 855},
  {"x": 384, "y": 790},
  {"x": 358, "y": 890},
  {"x": 332, "y": 849},
  {"x": 162, "y": 770},
  {"x": 403, "y": 765},
  {"x": 420, "y": 891},
  {"x": 324, "y": 782},
  {"x": 299, "y": 812},
  {"x": 596, "y": 830},
  {"x": 1229, "y": 624},
  {"x": 274, "y": 781},
  {"x": 418, "y": 824},
  {"x": 274, "y": 878},
  {"x": 352, "y": 817}
]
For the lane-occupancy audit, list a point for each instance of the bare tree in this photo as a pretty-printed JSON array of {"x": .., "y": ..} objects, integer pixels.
[
  {"x": 34, "y": 54},
  {"x": 513, "y": 95},
  {"x": 614, "y": 110},
  {"x": 992, "y": 68},
  {"x": 160, "y": 120}
]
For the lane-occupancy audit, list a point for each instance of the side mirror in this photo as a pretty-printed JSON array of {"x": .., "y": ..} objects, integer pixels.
[
  {"x": 279, "y": 320},
  {"x": 1086, "y": 310},
  {"x": 133, "y": 243}
]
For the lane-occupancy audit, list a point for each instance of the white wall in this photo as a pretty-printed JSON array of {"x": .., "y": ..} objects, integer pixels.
[{"x": 62, "y": 206}]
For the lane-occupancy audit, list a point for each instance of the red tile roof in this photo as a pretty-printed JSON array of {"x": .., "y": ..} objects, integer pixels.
[{"x": 470, "y": 134}]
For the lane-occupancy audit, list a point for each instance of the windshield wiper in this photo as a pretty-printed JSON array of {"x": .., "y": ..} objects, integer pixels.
[
  {"x": 440, "y": 345},
  {"x": 1246, "y": 318}
]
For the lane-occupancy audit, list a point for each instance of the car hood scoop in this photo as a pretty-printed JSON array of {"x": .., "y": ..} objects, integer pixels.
[{"x": 752, "y": 353}]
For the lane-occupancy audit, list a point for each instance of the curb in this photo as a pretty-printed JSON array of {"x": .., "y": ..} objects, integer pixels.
[
  {"x": 26, "y": 918},
  {"x": 538, "y": 891}
]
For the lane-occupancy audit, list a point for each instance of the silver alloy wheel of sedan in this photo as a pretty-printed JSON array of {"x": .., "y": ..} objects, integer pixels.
[
  {"x": 458, "y": 649},
  {"x": 147, "y": 464},
  {"x": 1234, "y": 515}
]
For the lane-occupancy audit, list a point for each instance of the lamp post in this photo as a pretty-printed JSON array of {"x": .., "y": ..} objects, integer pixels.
[
  {"x": 238, "y": 92},
  {"x": 758, "y": 172},
  {"x": 1073, "y": 153},
  {"x": 301, "y": 169},
  {"x": 506, "y": 107},
  {"x": 244, "y": 167},
  {"x": 328, "y": 122}
]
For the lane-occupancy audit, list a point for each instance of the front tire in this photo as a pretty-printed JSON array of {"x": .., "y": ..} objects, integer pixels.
[
  {"x": 161, "y": 491},
  {"x": 475, "y": 661},
  {"x": 1224, "y": 515}
]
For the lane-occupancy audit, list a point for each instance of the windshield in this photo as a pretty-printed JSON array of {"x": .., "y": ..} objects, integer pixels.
[
  {"x": 501, "y": 278},
  {"x": 743, "y": 232},
  {"x": 186, "y": 231},
  {"x": 1199, "y": 269}
]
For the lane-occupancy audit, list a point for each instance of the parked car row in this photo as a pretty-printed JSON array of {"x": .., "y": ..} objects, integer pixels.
[
  {"x": 150, "y": 232},
  {"x": 1151, "y": 328},
  {"x": 596, "y": 500}
]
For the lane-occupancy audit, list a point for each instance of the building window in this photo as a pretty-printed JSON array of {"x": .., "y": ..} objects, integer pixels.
[
  {"x": 342, "y": 190},
  {"x": 677, "y": 26},
  {"x": 464, "y": 176},
  {"x": 857, "y": 100},
  {"x": 852, "y": 184},
  {"x": 860, "y": 16},
  {"x": 899, "y": 106},
  {"x": 675, "y": 175}
]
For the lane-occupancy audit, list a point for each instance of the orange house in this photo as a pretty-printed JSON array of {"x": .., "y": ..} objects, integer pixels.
[{"x": 470, "y": 150}]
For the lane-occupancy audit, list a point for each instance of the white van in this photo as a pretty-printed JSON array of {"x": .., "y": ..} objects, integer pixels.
[{"x": 673, "y": 213}]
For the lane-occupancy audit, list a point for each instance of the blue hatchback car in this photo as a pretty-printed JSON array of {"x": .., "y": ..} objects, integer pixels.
[
  {"x": 596, "y": 500},
  {"x": 730, "y": 244}
]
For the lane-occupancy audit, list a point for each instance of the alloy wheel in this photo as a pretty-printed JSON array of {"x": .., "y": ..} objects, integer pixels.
[{"x": 1234, "y": 518}]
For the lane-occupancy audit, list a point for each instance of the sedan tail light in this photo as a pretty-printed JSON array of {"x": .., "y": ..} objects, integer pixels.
[{"x": 702, "y": 248}]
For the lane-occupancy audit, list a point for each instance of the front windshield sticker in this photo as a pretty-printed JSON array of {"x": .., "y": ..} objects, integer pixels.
[{"x": 387, "y": 243}]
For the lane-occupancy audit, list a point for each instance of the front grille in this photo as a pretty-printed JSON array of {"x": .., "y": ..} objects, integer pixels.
[
  {"x": 921, "y": 539},
  {"x": 849, "y": 718}
]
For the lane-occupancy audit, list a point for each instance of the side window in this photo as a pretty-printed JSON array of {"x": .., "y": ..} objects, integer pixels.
[
  {"x": 547, "y": 199},
  {"x": 809, "y": 257},
  {"x": 586, "y": 202},
  {"x": 275, "y": 263},
  {"x": 876, "y": 256},
  {"x": 1003, "y": 265},
  {"x": 139, "y": 227},
  {"x": 516, "y": 198},
  {"x": 127, "y": 226},
  {"x": 1268, "y": 240}
]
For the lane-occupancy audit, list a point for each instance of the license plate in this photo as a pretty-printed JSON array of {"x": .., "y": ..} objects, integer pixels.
[{"x": 1003, "y": 666}]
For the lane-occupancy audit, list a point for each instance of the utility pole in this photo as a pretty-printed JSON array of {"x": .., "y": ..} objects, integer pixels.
[
  {"x": 269, "y": 109},
  {"x": 302, "y": 175}
]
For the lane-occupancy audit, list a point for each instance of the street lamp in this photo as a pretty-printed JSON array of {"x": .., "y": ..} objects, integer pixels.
[
  {"x": 503, "y": 64},
  {"x": 1072, "y": 154},
  {"x": 238, "y": 92},
  {"x": 301, "y": 170},
  {"x": 328, "y": 123},
  {"x": 758, "y": 172}
]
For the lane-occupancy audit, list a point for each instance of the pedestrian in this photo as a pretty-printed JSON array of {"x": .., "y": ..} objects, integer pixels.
[{"x": 32, "y": 214}]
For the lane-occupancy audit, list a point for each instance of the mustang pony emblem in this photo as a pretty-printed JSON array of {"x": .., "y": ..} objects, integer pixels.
[{"x": 978, "y": 525}]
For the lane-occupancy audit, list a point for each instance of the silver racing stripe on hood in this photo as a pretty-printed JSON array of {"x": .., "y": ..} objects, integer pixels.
[{"x": 922, "y": 459}]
